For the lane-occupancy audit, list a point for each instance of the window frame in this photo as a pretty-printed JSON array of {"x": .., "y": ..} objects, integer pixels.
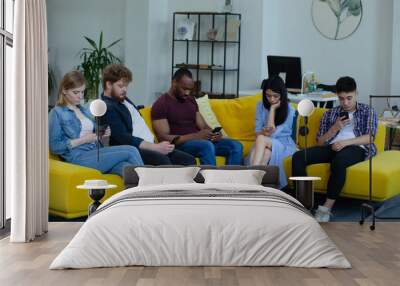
[{"x": 6, "y": 39}]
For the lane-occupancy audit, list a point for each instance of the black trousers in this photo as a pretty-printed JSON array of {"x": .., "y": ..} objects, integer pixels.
[
  {"x": 176, "y": 157},
  {"x": 339, "y": 161}
]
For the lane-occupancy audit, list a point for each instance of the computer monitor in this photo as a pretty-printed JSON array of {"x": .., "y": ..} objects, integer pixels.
[{"x": 289, "y": 68}]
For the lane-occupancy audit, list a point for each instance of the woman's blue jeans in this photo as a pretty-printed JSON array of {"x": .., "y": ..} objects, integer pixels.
[{"x": 112, "y": 159}]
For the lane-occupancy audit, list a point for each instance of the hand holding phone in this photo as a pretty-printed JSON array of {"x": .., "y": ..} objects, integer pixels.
[
  {"x": 217, "y": 129},
  {"x": 175, "y": 140},
  {"x": 341, "y": 121},
  {"x": 344, "y": 115}
]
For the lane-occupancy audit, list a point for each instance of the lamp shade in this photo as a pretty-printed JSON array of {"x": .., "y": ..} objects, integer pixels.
[
  {"x": 98, "y": 107},
  {"x": 305, "y": 107}
]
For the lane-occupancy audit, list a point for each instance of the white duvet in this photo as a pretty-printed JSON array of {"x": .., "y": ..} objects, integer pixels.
[{"x": 202, "y": 231}]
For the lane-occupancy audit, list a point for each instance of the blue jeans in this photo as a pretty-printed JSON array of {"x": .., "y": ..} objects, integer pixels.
[
  {"x": 112, "y": 160},
  {"x": 206, "y": 150}
]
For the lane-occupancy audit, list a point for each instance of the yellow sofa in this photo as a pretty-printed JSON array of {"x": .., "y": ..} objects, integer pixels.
[{"x": 237, "y": 117}]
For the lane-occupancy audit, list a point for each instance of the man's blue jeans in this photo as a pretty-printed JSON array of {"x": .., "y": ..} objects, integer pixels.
[{"x": 206, "y": 150}]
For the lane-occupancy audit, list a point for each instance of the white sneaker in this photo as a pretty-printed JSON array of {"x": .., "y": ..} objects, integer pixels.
[{"x": 322, "y": 214}]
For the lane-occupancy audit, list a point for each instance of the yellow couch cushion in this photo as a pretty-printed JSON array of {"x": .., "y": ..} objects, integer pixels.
[
  {"x": 146, "y": 113},
  {"x": 237, "y": 116},
  {"x": 207, "y": 113}
]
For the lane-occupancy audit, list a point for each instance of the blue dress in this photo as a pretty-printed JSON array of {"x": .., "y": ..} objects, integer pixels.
[{"x": 282, "y": 142}]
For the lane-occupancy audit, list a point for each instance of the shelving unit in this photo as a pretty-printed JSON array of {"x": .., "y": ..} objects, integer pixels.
[{"x": 197, "y": 44}]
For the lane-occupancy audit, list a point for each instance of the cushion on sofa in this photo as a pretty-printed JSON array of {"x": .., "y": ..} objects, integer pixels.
[
  {"x": 146, "y": 114},
  {"x": 237, "y": 116},
  {"x": 208, "y": 114}
]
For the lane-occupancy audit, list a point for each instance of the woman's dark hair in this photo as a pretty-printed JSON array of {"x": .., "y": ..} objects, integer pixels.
[{"x": 276, "y": 84}]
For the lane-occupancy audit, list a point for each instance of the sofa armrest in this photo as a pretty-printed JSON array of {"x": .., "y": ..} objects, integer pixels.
[{"x": 63, "y": 179}]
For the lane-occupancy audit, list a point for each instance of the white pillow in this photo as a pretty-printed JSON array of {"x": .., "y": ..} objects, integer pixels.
[
  {"x": 166, "y": 176},
  {"x": 207, "y": 113},
  {"x": 248, "y": 177}
]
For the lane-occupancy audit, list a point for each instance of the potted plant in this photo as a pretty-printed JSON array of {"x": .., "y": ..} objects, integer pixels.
[
  {"x": 94, "y": 59},
  {"x": 51, "y": 83}
]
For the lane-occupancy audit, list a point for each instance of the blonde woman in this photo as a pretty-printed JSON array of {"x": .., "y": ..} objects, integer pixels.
[{"x": 72, "y": 132}]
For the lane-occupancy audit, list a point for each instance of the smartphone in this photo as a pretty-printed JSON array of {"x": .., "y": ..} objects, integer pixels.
[
  {"x": 175, "y": 140},
  {"x": 217, "y": 129},
  {"x": 344, "y": 114}
]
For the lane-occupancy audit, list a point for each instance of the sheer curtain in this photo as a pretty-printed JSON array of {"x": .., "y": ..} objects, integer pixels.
[{"x": 26, "y": 124}]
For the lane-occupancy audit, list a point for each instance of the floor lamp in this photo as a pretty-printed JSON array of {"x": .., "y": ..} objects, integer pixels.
[
  {"x": 369, "y": 207},
  {"x": 98, "y": 108},
  {"x": 304, "y": 185}
]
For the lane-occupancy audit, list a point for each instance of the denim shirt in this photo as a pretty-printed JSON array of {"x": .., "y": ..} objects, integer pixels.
[
  {"x": 282, "y": 130},
  {"x": 65, "y": 126}
]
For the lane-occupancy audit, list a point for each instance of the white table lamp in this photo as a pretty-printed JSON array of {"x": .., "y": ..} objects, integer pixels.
[
  {"x": 98, "y": 108},
  {"x": 305, "y": 107}
]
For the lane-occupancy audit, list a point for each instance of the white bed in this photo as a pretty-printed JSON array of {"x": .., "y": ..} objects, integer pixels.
[{"x": 224, "y": 225}]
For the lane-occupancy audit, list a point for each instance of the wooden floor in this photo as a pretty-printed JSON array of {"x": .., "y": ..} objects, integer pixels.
[{"x": 375, "y": 257}]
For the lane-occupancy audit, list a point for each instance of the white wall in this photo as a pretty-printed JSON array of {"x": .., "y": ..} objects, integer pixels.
[
  {"x": 136, "y": 36},
  {"x": 366, "y": 55},
  {"x": 68, "y": 21},
  {"x": 282, "y": 27},
  {"x": 251, "y": 42},
  {"x": 396, "y": 49},
  {"x": 159, "y": 60}
]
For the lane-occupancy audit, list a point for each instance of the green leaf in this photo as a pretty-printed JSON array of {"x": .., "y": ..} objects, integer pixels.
[
  {"x": 113, "y": 43},
  {"x": 354, "y": 7},
  {"x": 101, "y": 40},
  {"x": 91, "y": 42}
]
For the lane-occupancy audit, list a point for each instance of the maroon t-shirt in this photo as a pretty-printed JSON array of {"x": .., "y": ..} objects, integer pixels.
[{"x": 181, "y": 116}]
